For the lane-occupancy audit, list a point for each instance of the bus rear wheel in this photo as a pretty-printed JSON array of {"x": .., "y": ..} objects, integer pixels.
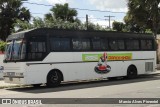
[
  {"x": 131, "y": 72},
  {"x": 54, "y": 79}
]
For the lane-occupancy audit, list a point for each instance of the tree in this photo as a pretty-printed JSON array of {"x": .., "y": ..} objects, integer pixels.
[
  {"x": 63, "y": 12},
  {"x": 21, "y": 26},
  {"x": 118, "y": 26},
  {"x": 146, "y": 13},
  {"x": 10, "y": 11},
  {"x": 2, "y": 46},
  {"x": 38, "y": 22},
  {"x": 131, "y": 24}
]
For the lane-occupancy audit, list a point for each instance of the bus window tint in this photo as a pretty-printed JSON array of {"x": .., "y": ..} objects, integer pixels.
[
  {"x": 100, "y": 44},
  {"x": 121, "y": 45},
  {"x": 81, "y": 44},
  {"x": 23, "y": 51},
  {"x": 96, "y": 44},
  {"x": 132, "y": 44},
  {"x": 37, "y": 46},
  {"x": 37, "y": 50},
  {"x": 16, "y": 50},
  {"x": 146, "y": 44},
  {"x": 113, "y": 45},
  {"x": 8, "y": 50},
  {"x": 60, "y": 44}
]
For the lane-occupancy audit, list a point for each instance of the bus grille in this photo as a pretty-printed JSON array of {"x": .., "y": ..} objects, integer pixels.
[{"x": 149, "y": 66}]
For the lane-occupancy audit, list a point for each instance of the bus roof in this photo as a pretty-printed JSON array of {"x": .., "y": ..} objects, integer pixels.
[{"x": 79, "y": 33}]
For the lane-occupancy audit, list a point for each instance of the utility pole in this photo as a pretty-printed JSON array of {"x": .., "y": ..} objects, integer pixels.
[
  {"x": 87, "y": 21},
  {"x": 109, "y": 18}
]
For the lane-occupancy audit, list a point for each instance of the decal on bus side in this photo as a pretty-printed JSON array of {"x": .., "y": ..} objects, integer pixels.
[
  {"x": 102, "y": 67},
  {"x": 111, "y": 57}
]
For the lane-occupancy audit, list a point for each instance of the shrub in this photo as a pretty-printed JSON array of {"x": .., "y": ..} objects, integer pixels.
[{"x": 2, "y": 46}]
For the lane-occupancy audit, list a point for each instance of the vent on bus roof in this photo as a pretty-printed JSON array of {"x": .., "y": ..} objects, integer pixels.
[{"x": 149, "y": 66}]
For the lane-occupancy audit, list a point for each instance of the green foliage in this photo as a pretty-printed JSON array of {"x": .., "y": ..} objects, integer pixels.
[
  {"x": 60, "y": 17},
  {"x": 21, "y": 26},
  {"x": 145, "y": 14},
  {"x": 131, "y": 24},
  {"x": 63, "y": 12},
  {"x": 10, "y": 11},
  {"x": 2, "y": 46},
  {"x": 61, "y": 24},
  {"x": 118, "y": 26},
  {"x": 38, "y": 23}
]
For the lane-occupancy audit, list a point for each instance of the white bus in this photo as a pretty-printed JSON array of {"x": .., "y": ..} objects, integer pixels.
[{"x": 50, "y": 56}]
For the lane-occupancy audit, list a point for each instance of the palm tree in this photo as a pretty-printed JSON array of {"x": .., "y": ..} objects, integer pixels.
[
  {"x": 63, "y": 12},
  {"x": 10, "y": 11}
]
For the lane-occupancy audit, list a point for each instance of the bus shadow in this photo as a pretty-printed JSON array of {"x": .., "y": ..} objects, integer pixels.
[{"x": 86, "y": 84}]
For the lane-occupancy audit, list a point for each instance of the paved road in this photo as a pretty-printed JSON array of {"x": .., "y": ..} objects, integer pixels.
[{"x": 147, "y": 86}]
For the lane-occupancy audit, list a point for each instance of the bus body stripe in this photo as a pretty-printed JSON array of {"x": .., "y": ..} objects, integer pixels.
[{"x": 84, "y": 61}]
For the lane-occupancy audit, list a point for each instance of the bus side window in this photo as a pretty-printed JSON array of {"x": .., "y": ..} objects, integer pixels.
[
  {"x": 81, "y": 44},
  {"x": 146, "y": 44},
  {"x": 96, "y": 44},
  {"x": 37, "y": 48},
  {"x": 100, "y": 44},
  {"x": 113, "y": 45},
  {"x": 60, "y": 44},
  {"x": 104, "y": 44},
  {"x": 121, "y": 45},
  {"x": 132, "y": 44}
]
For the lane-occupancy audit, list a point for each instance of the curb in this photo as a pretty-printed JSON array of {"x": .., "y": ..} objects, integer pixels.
[
  {"x": 12, "y": 86},
  {"x": 15, "y": 86}
]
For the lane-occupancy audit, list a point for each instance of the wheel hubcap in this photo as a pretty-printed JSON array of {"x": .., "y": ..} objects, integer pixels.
[{"x": 54, "y": 77}]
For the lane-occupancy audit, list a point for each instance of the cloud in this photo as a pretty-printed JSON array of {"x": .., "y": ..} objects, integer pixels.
[{"x": 112, "y": 5}]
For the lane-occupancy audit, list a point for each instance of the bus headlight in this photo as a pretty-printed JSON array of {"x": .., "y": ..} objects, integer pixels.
[{"x": 5, "y": 73}]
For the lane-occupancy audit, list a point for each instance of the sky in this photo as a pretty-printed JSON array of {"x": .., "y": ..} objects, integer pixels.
[{"x": 118, "y": 9}]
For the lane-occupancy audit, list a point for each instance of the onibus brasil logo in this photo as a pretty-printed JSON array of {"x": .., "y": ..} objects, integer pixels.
[{"x": 102, "y": 66}]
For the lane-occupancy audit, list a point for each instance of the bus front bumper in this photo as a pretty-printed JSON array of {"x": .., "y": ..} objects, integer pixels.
[{"x": 14, "y": 80}]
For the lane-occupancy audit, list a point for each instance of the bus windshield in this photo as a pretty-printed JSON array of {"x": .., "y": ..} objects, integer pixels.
[{"x": 15, "y": 50}]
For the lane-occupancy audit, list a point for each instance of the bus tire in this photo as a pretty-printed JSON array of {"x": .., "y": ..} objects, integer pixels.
[
  {"x": 131, "y": 72},
  {"x": 54, "y": 78}
]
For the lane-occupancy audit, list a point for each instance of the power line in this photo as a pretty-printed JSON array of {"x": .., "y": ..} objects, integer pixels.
[
  {"x": 38, "y": 4},
  {"x": 79, "y": 17},
  {"x": 73, "y": 8}
]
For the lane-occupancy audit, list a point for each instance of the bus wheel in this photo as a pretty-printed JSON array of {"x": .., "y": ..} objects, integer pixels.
[
  {"x": 36, "y": 85},
  {"x": 131, "y": 72},
  {"x": 54, "y": 79}
]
